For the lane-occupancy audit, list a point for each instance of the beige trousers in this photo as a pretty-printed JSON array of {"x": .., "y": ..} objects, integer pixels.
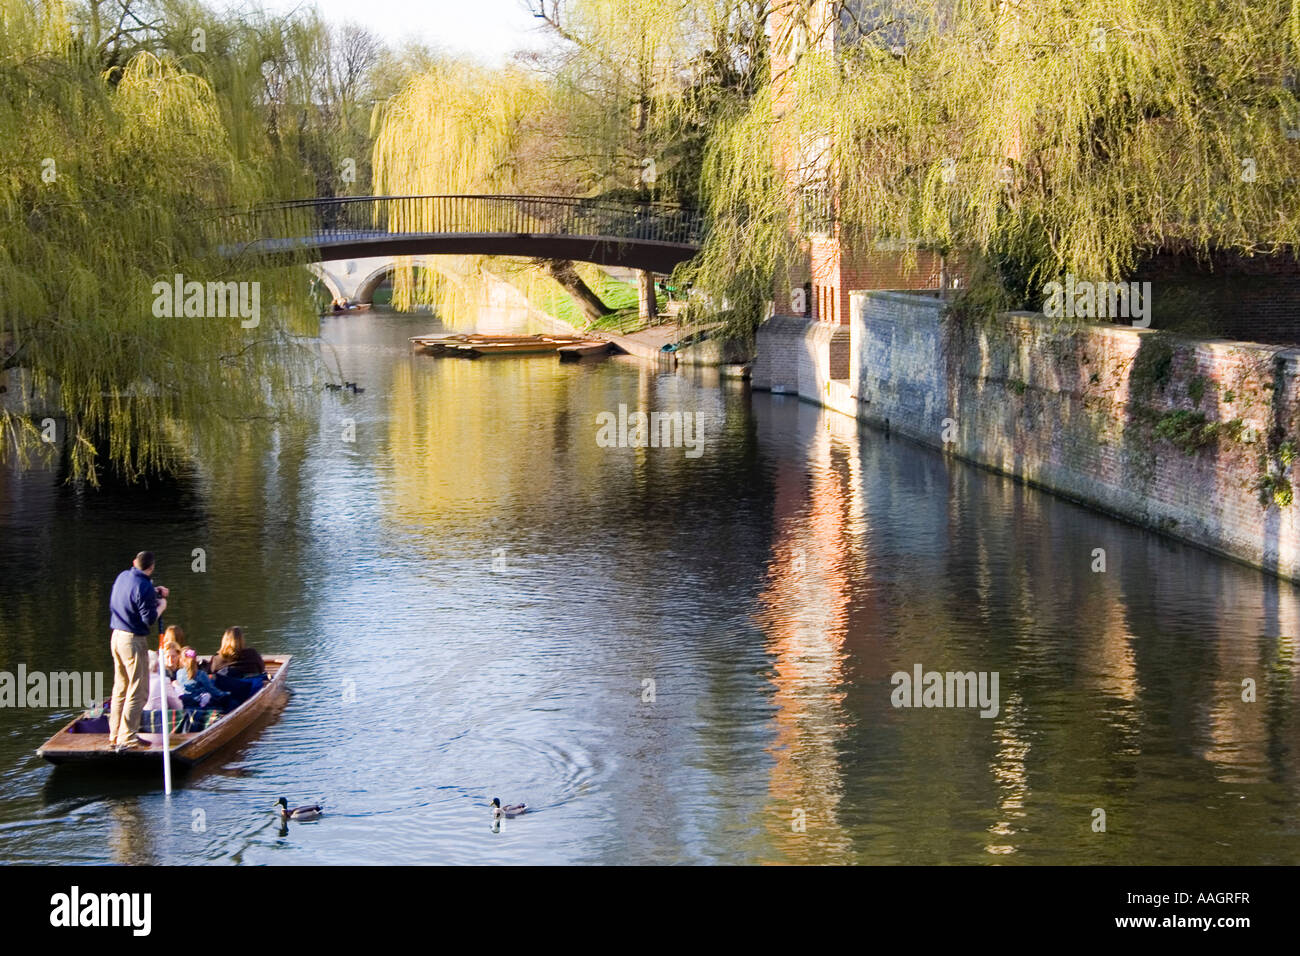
[{"x": 130, "y": 686}]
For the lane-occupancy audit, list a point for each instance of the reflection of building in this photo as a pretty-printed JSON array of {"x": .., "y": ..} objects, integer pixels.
[
  {"x": 1241, "y": 736},
  {"x": 804, "y": 613}
]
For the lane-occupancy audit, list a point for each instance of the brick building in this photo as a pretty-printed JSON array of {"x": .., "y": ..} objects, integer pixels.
[
  {"x": 1224, "y": 295},
  {"x": 829, "y": 267}
]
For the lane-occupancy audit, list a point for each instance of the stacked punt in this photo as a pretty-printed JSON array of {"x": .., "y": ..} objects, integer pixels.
[{"x": 476, "y": 345}]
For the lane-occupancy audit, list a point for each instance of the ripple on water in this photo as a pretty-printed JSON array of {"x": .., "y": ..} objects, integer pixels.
[{"x": 664, "y": 656}]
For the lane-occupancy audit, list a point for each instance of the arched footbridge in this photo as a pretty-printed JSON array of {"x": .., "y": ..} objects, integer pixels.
[{"x": 653, "y": 237}]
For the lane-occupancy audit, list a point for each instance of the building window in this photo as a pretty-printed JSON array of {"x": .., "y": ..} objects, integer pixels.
[{"x": 816, "y": 216}]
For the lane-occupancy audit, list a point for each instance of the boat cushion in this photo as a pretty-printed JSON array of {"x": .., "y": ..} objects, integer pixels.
[
  {"x": 151, "y": 721},
  {"x": 181, "y": 722}
]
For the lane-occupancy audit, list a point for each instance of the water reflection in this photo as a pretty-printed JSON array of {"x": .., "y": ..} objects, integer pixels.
[
  {"x": 672, "y": 659},
  {"x": 803, "y": 612}
]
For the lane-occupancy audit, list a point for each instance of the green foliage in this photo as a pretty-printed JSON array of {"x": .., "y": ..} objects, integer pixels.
[
  {"x": 1188, "y": 430},
  {"x": 1196, "y": 389},
  {"x": 110, "y": 183},
  {"x": 1152, "y": 366},
  {"x": 458, "y": 128},
  {"x": 748, "y": 241},
  {"x": 1275, "y": 488},
  {"x": 1050, "y": 137},
  {"x": 649, "y": 81}
]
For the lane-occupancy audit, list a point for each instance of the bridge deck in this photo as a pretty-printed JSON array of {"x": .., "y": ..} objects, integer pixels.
[{"x": 649, "y": 236}]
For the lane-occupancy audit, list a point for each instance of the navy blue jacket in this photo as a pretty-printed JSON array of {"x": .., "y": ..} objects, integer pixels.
[{"x": 134, "y": 604}]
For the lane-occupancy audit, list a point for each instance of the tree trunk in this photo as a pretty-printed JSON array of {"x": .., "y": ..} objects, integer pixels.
[
  {"x": 646, "y": 297},
  {"x": 563, "y": 272}
]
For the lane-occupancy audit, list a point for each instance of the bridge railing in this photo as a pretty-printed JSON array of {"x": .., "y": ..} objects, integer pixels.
[{"x": 361, "y": 216}]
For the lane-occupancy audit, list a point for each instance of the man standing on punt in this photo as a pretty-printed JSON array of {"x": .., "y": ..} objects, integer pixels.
[{"x": 134, "y": 607}]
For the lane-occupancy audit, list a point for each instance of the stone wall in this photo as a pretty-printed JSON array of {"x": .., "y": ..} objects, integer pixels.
[{"x": 1191, "y": 437}]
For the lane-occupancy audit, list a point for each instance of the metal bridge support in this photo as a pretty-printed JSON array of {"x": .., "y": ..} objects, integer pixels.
[{"x": 646, "y": 297}]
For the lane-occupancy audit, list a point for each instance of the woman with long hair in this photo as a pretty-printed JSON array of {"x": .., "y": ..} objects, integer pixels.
[{"x": 236, "y": 659}]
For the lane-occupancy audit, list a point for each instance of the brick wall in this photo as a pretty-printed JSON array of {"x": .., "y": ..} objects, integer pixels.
[
  {"x": 800, "y": 356},
  {"x": 832, "y": 273},
  {"x": 1254, "y": 299},
  {"x": 1089, "y": 412}
]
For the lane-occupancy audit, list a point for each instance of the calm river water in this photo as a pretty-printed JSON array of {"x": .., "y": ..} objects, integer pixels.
[{"x": 671, "y": 659}]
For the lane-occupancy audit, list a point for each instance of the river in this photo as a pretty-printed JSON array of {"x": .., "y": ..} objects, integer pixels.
[{"x": 671, "y": 659}]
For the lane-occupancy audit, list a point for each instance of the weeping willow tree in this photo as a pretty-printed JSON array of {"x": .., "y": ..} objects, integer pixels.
[
  {"x": 619, "y": 78},
  {"x": 1042, "y": 136},
  {"x": 458, "y": 128},
  {"x": 109, "y": 182},
  {"x": 455, "y": 128},
  {"x": 654, "y": 84},
  {"x": 620, "y": 109},
  {"x": 642, "y": 85}
]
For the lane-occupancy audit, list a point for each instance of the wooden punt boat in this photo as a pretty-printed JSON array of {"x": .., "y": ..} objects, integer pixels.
[
  {"x": 435, "y": 344},
  {"x": 70, "y": 746},
  {"x": 475, "y": 344},
  {"x": 581, "y": 350},
  {"x": 477, "y": 349}
]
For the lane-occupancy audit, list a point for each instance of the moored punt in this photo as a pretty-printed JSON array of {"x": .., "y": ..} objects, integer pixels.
[
  {"x": 72, "y": 744},
  {"x": 435, "y": 344},
  {"x": 476, "y": 349},
  {"x": 580, "y": 350},
  {"x": 475, "y": 344}
]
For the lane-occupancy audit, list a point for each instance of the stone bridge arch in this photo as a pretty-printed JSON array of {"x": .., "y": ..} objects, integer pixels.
[{"x": 357, "y": 279}]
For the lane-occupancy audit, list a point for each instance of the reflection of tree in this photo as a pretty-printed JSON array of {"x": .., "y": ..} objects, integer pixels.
[
  {"x": 463, "y": 461},
  {"x": 1243, "y": 740}
]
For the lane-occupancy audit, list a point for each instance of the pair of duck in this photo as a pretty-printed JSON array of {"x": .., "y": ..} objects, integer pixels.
[{"x": 314, "y": 810}]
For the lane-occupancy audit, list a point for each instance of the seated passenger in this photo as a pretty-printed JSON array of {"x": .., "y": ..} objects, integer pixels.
[
  {"x": 171, "y": 662},
  {"x": 173, "y": 635},
  {"x": 197, "y": 689},
  {"x": 235, "y": 659}
]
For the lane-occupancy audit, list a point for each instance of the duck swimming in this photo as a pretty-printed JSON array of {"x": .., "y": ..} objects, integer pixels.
[
  {"x": 297, "y": 813},
  {"x": 510, "y": 810}
]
